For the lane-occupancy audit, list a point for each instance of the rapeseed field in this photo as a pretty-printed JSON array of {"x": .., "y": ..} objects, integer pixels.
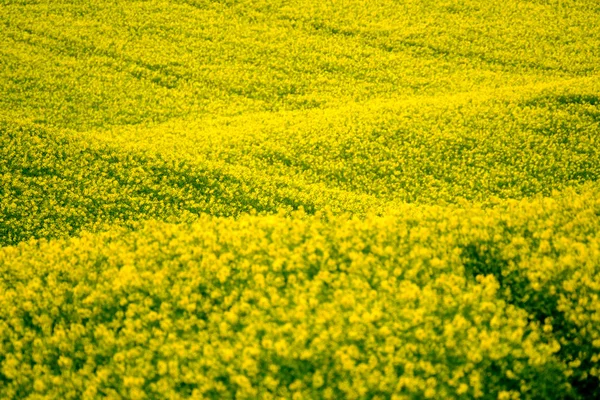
[{"x": 317, "y": 199}]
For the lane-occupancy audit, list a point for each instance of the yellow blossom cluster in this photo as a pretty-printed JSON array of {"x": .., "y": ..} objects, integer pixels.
[
  {"x": 546, "y": 256},
  {"x": 281, "y": 306}
]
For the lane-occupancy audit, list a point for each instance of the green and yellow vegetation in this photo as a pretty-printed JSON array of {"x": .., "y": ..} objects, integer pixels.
[{"x": 308, "y": 200}]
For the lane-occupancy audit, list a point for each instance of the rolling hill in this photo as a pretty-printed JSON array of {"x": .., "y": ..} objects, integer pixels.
[{"x": 318, "y": 199}]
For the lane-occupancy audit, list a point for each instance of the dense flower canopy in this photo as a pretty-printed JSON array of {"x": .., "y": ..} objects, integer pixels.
[{"x": 281, "y": 199}]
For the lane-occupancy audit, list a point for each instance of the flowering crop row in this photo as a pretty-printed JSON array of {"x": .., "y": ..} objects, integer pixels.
[{"x": 357, "y": 159}]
